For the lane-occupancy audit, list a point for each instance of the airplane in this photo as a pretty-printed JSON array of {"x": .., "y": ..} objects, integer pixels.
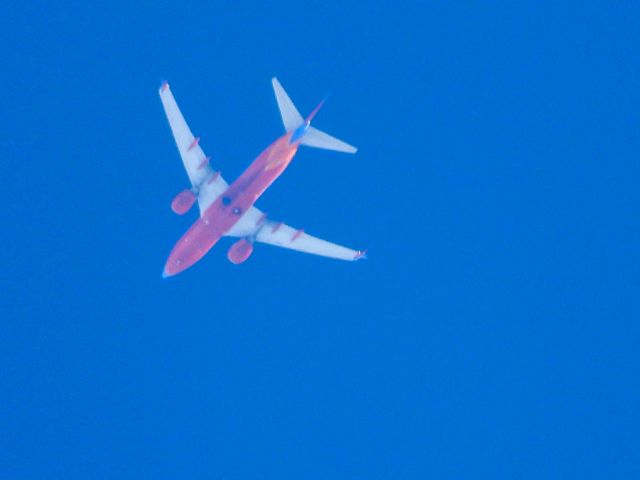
[{"x": 228, "y": 210}]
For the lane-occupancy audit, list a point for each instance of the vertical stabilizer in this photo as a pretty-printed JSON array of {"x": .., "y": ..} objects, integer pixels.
[{"x": 291, "y": 118}]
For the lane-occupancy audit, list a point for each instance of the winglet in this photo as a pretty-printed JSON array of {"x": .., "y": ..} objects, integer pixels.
[{"x": 361, "y": 255}]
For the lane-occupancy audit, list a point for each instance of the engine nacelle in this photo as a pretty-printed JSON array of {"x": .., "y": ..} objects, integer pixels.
[
  {"x": 240, "y": 251},
  {"x": 183, "y": 202}
]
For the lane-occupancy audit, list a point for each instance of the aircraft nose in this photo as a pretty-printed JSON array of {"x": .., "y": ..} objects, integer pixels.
[{"x": 173, "y": 267}]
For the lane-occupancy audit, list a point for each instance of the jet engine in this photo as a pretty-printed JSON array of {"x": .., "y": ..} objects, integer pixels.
[
  {"x": 183, "y": 202},
  {"x": 240, "y": 251}
]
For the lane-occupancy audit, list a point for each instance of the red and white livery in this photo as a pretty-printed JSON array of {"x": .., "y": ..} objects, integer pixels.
[{"x": 228, "y": 210}]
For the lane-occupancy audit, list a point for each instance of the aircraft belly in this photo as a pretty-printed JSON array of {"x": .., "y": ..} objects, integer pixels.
[{"x": 224, "y": 215}]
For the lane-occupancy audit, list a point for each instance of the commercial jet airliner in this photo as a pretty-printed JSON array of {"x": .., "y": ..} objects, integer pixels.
[{"x": 228, "y": 210}]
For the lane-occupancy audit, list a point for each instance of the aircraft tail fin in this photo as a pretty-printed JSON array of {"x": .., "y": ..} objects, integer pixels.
[{"x": 303, "y": 131}]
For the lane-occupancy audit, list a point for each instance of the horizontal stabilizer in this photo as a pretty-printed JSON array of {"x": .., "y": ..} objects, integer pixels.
[
  {"x": 318, "y": 139},
  {"x": 291, "y": 118},
  {"x": 301, "y": 128}
]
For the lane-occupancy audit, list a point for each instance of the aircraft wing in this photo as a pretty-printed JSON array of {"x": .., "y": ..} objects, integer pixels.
[
  {"x": 208, "y": 184},
  {"x": 254, "y": 224}
]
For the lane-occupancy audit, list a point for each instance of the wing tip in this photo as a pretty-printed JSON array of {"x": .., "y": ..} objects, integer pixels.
[
  {"x": 360, "y": 255},
  {"x": 164, "y": 86}
]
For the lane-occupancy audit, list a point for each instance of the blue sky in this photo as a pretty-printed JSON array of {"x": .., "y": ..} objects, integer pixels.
[{"x": 492, "y": 333}]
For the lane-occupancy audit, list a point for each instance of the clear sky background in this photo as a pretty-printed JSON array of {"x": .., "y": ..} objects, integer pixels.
[{"x": 493, "y": 332}]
